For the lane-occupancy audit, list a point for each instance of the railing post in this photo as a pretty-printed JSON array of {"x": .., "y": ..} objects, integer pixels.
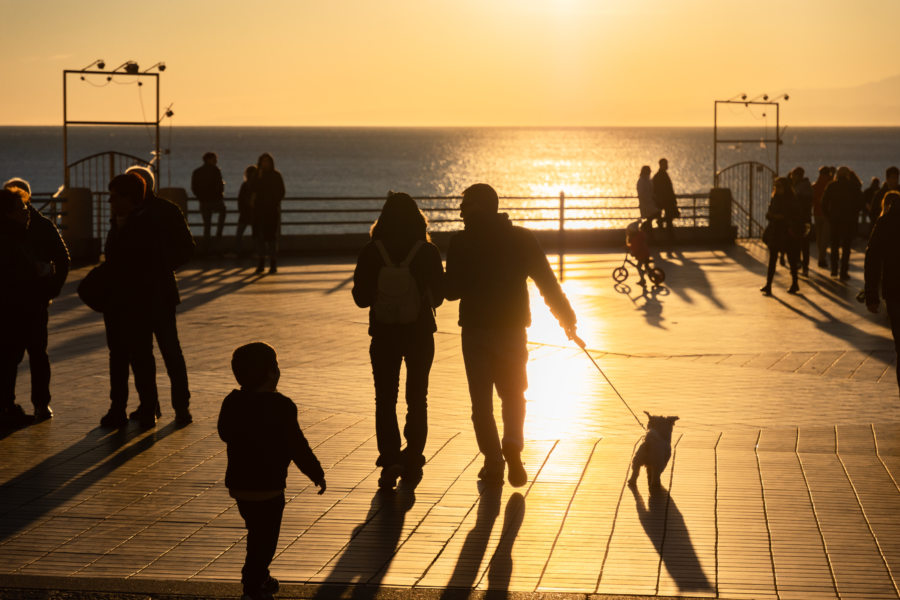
[
  {"x": 562, "y": 232},
  {"x": 750, "y": 202}
]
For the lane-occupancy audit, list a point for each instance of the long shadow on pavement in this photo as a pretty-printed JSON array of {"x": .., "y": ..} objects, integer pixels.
[
  {"x": 647, "y": 302},
  {"x": 371, "y": 548},
  {"x": 500, "y": 570},
  {"x": 686, "y": 275},
  {"x": 33, "y": 494},
  {"x": 846, "y": 332},
  {"x": 468, "y": 564},
  {"x": 665, "y": 526}
]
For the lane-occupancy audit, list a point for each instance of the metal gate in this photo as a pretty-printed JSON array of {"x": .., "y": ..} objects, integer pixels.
[
  {"x": 95, "y": 172},
  {"x": 751, "y": 187}
]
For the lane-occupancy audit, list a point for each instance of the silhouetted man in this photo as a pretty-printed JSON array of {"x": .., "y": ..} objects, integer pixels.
[
  {"x": 132, "y": 249},
  {"x": 48, "y": 247},
  {"x": 882, "y": 267},
  {"x": 209, "y": 189},
  {"x": 841, "y": 204},
  {"x": 176, "y": 246},
  {"x": 664, "y": 195},
  {"x": 24, "y": 278},
  {"x": 488, "y": 266}
]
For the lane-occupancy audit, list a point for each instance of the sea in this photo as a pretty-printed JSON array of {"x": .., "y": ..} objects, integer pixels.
[{"x": 521, "y": 162}]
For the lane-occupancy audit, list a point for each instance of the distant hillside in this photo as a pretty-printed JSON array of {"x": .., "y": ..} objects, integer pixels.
[{"x": 873, "y": 104}]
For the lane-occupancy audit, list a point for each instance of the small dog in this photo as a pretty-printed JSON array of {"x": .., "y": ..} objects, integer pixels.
[{"x": 655, "y": 451}]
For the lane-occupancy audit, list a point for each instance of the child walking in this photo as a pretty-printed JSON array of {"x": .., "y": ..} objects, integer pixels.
[{"x": 260, "y": 428}]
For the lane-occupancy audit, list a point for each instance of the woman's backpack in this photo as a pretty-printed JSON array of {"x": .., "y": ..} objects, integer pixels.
[{"x": 397, "y": 298}]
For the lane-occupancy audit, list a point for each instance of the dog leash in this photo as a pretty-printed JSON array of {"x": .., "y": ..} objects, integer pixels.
[{"x": 580, "y": 343}]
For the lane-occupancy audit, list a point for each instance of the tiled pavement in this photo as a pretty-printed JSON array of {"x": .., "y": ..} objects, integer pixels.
[{"x": 782, "y": 483}]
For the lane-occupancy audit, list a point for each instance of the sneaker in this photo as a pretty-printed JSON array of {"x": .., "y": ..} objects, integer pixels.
[
  {"x": 114, "y": 419},
  {"x": 270, "y": 586},
  {"x": 515, "y": 469},
  {"x": 766, "y": 290},
  {"x": 183, "y": 417},
  {"x": 389, "y": 475},
  {"x": 145, "y": 418},
  {"x": 14, "y": 416},
  {"x": 135, "y": 415},
  {"x": 42, "y": 413},
  {"x": 411, "y": 477},
  {"x": 492, "y": 474}
]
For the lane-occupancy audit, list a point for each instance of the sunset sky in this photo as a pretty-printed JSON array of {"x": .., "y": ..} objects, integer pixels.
[{"x": 460, "y": 62}]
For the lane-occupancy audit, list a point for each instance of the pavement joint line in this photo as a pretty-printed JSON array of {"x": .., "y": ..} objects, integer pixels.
[
  {"x": 881, "y": 459},
  {"x": 864, "y": 514},
  {"x": 762, "y": 489},
  {"x": 612, "y": 529},
  {"x": 566, "y": 514},
  {"x": 716, "y": 507},
  {"x": 815, "y": 511}
]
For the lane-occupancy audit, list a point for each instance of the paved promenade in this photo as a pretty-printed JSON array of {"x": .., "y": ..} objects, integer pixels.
[{"x": 783, "y": 481}]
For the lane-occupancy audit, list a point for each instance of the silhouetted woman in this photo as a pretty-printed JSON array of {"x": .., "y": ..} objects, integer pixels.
[
  {"x": 245, "y": 207},
  {"x": 269, "y": 190},
  {"x": 783, "y": 232},
  {"x": 400, "y": 278},
  {"x": 646, "y": 203}
]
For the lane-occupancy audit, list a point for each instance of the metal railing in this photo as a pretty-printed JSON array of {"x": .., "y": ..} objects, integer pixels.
[{"x": 354, "y": 214}]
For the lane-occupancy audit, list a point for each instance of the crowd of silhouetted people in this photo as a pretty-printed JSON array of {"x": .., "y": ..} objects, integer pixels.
[{"x": 401, "y": 280}]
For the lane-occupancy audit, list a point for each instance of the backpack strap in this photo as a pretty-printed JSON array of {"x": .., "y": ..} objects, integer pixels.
[
  {"x": 412, "y": 253},
  {"x": 384, "y": 254}
]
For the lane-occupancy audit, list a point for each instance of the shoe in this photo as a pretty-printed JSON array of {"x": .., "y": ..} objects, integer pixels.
[
  {"x": 388, "y": 478},
  {"x": 794, "y": 288},
  {"x": 183, "y": 417},
  {"x": 145, "y": 418},
  {"x": 766, "y": 290},
  {"x": 515, "y": 469},
  {"x": 14, "y": 416},
  {"x": 834, "y": 273},
  {"x": 806, "y": 271},
  {"x": 845, "y": 277},
  {"x": 260, "y": 266},
  {"x": 492, "y": 473},
  {"x": 411, "y": 477},
  {"x": 273, "y": 267},
  {"x": 270, "y": 586},
  {"x": 114, "y": 419},
  {"x": 42, "y": 413},
  {"x": 136, "y": 413}
]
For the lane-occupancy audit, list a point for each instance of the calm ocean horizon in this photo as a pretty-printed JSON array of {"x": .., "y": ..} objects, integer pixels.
[{"x": 527, "y": 161}]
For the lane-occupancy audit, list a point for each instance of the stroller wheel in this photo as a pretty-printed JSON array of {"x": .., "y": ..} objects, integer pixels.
[
  {"x": 620, "y": 274},
  {"x": 657, "y": 275}
]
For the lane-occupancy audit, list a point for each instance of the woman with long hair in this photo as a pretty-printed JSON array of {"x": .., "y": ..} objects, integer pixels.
[
  {"x": 783, "y": 233},
  {"x": 399, "y": 277},
  {"x": 269, "y": 190}
]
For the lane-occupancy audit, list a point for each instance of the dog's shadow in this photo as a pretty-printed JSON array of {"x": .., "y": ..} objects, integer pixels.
[{"x": 665, "y": 526}]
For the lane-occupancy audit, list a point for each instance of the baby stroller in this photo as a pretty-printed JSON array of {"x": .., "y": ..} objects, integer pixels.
[{"x": 636, "y": 242}]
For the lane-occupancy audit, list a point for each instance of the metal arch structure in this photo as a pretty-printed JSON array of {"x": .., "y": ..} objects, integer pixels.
[
  {"x": 154, "y": 164},
  {"x": 750, "y": 183},
  {"x": 94, "y": 173}
]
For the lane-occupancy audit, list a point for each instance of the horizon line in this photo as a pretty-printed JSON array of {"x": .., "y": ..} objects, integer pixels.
[{"x": 465, "y": 126}]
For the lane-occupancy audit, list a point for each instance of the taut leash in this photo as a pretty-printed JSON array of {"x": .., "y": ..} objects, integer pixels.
[{"x": 580, "y": 343}]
